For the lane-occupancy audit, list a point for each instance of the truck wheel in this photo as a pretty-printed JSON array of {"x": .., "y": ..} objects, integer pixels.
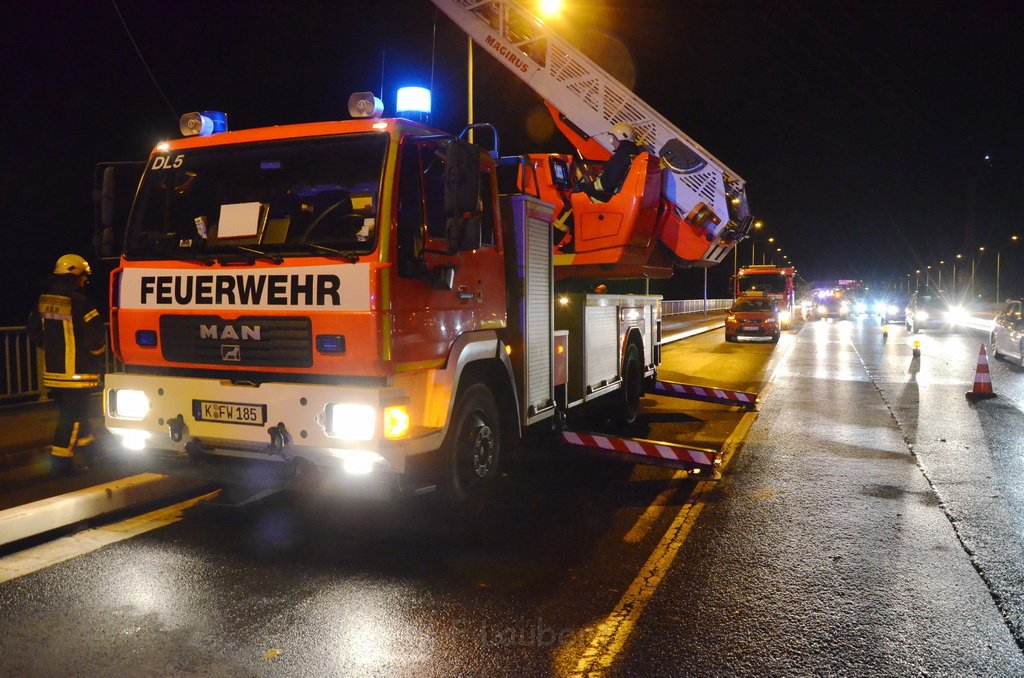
[
  {"x": 632, "y": 385},
  {"x": 473, "y": 447}
]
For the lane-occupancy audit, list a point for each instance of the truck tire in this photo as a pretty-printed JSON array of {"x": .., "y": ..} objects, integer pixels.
[
  {"x": 472, "y": 448},
  {"x": 632, "y": 385}
]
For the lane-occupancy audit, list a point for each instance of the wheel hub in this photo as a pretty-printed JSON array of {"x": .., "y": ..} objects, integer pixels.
[{"x": 483, "y": 450}]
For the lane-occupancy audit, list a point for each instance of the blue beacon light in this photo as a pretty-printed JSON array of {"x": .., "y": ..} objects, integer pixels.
[{"x": 414, "y": 103}]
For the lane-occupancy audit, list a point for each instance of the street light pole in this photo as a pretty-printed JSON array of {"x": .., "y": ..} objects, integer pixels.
[{"x": 998, "y": 252}]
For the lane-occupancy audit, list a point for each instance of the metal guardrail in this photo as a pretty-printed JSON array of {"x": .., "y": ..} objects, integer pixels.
[
  {"x": 20, "y": 370},
  {"x": 19, "y": 373},
  {"x": 680, "y": 306},
  {"x": 21, "y": 367}
]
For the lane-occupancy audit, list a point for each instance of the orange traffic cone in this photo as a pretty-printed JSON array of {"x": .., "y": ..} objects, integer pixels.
[{"x": 982, "y": 380}]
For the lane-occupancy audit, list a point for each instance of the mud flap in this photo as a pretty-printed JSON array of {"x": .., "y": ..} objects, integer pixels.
[
  {"x": 721, "y": 396},
  {"x": 696, "y": 460}
]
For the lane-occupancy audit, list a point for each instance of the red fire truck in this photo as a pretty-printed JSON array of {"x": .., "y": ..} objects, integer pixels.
[
  {"x": 776, "y": 282},
  {"x": 377, "y": 304}
]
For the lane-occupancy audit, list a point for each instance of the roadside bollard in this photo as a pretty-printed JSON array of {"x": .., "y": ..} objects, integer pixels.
[{"x": 917, "y": 349}]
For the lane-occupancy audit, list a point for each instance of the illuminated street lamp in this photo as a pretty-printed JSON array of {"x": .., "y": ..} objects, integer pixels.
[
  {"x": 973, "y": 262},
  {"x": 917, "y": 281},
  {"x": 941, "y": 264},
  {"x": 550, "y": 8},
  {"x": 1013, "y": 238},
  {"x": 758, "y": 225},
  {"x": 928, "y": 277},
  {"x": 959, "y": 256}
]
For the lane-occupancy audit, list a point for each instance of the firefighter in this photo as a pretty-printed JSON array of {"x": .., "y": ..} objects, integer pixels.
[
  {"x": 67, "y": 326},
  {"x": 624, "y": 149}
]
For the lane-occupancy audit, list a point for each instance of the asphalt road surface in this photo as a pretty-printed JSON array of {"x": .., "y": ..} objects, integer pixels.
[{"x": 868, "y": 521}]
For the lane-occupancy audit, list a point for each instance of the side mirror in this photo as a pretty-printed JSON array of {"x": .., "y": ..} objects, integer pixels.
[{"x": 462, "y": 195}]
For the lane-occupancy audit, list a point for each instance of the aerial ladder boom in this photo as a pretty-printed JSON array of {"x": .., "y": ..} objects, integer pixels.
[{"x": 709, "y": 199}]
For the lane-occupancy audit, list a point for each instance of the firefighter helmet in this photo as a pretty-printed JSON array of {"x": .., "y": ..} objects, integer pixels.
[
  {"x": 622, "y": 132},
  {"x": 72, "y": 264}
]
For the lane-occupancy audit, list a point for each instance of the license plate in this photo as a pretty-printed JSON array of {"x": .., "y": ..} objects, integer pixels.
[
  {"x": 229, "y": 413},
  {"x": 750, "y": 328}
]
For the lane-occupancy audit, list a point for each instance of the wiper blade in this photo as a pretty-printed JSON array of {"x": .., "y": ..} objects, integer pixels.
[
  {"x": 350, "y": 257},
  {"x": 269, "y": 256}
]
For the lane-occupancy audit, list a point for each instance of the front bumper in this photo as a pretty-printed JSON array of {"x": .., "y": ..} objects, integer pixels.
[{"x": 290, "y": 429}]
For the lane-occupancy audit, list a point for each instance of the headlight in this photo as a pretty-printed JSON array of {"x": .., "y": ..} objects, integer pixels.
[
  {"x": 730, "y": 318},
  {"x": 351, "y": 421},
  {"x": 957, "y": 314},
  {"x": 921, "y": 315},
  {"x": 844, "y": 306},
  {"x": 892, "y": 310},
  {"x": 127, "y": 403},
  {"x": 358, "y": 462},
  {"x": 822, "y": 310}
]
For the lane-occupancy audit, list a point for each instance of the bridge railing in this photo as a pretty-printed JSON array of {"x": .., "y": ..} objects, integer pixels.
[
  {"x": 680, "y": 306},
  {"x": 20, "y": 369}
]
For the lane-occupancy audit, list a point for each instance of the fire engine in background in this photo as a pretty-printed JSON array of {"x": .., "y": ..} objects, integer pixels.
[
  {"x": 380, "y": 301},
  {"x": 776, "y": 282}
]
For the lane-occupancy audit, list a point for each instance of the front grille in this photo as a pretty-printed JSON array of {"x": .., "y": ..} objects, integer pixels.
[{"x": 249, "y": 341}]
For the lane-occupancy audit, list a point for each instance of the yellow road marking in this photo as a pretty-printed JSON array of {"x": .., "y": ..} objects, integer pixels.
[
  {"x": 31, "y": 560},
  {"x": 611, "y": 635},
  {"x": 646, "y": 521}
]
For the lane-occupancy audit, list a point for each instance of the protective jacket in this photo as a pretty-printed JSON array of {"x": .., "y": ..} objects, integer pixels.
[
  {"x": 68, "y": 327},
  {"x": 615, "y": 171}
]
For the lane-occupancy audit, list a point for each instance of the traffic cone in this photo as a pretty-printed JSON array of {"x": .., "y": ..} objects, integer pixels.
[{"x": 982, "y": 380}]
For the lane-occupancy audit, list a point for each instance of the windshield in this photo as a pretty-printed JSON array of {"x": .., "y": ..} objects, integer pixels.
[
  {"x": 307, "y": 197},
  {"x": 750, "y": 305},
  {"x": 763, "y": 282}
]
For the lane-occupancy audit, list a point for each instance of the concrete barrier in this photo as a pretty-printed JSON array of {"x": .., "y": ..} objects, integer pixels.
[{"x": 54, "y": 513}]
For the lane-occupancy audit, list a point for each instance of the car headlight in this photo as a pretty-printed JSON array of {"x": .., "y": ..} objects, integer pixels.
[
  {"x": 921, "y": 315},
  {"x": 822, "y": 310},
  {"x": 351, "y": 421},
  {"x": 785, "y": 316},
  {"x": 730, "y": 318},
  {"x": 127, "y": 403},
  {"x": 844, "y": 306},
  {"x": 892, "y": 310},
  {"x": 956, "y": 314}
]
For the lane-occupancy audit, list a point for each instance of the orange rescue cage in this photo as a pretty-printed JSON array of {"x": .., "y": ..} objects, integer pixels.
[{"x": 639, "y": 231}]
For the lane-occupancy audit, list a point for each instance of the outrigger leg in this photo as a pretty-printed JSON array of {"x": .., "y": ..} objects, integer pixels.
[
  {"x": 695, "y": 460},
  {"x": 708, "y": 394}
]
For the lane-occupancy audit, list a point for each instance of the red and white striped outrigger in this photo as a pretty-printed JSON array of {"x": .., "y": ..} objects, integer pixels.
[
  {"x": 721, "y": 396},
  {"x": 696, "y": 460}
]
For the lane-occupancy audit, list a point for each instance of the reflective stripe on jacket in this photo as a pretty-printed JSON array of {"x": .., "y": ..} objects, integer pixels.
[{"x": 68, "y": 328}]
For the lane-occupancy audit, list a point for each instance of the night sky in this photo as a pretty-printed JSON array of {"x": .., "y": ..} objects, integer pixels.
[{"x": 861, "y": 128}]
